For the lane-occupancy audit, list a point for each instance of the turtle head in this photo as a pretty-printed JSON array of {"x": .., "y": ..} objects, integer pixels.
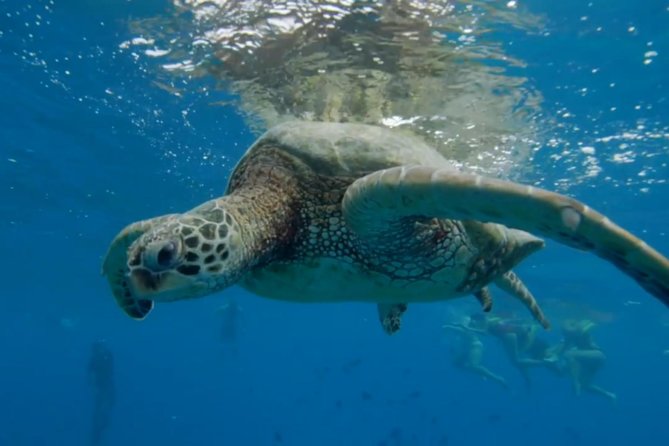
[{"x": 190, "y": 255}]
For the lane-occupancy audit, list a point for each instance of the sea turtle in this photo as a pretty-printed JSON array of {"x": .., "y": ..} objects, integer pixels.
[{"x": 318, "y": 212}]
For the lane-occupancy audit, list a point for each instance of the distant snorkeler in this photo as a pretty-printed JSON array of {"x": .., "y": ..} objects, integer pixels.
[
  {"x": 468, "y": 354},
  {"x": 582, "y": 356},
  {"x": 101, "y": 378},
  {"x": 230, "y": 314},
  {"x": 519, "y": 340}
]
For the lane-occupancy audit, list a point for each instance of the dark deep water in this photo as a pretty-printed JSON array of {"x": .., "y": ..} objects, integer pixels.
[{"x": 89, "y": 143}]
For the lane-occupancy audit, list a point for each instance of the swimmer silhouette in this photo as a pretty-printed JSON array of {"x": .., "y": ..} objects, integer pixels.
[
  {"x": 229, "y": 313},
  {"x": 468, "y": 354},
  {"x": 519, "y": 340},
  {"x": 101, "y": 378},
  {"x": 583, "y": 357}
]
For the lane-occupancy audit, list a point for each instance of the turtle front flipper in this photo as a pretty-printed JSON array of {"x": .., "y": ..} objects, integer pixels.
[
  {"x": 375, "y": 201},
  {"x": 115, "y": 267},
  {"x": 390, "y": 316}
]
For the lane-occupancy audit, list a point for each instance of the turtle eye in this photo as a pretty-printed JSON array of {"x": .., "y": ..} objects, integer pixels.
[
  {"x": 167, "y": 254},
  {"x": 162, "y": 255}
]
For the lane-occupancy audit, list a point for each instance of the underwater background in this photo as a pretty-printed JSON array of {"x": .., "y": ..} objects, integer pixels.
[{"x": 110, "y": 114}]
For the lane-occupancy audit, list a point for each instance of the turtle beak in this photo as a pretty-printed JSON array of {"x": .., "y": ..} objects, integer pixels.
[
  {"x": 143, "y": 282},
  {"x": 165, "y": 286}
]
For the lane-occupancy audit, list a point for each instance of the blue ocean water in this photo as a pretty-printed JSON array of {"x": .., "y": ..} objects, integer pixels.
[{"x": 90, "y": 142}]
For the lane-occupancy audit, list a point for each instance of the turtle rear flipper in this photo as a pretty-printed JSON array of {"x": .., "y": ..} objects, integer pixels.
[
  {"x": 512, "y": 284},
  {"x": 390, "y": 316},
  {"x": 372, "y": 203},
  {"x": 115, "y": 267},
  {"x": 485, "y": 299}
]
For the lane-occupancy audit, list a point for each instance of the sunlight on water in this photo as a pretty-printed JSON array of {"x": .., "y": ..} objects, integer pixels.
[
  {"x": 89, "y": 73},
  {"x": 434, "y": 68},
  {"x": 437, "y": 69},
  {"x": 428, "y": 67},
  {"x": 632, "y": 157}
]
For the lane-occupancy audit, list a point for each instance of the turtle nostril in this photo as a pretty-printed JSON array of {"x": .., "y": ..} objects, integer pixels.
[{"x": 167, "y": 254}]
